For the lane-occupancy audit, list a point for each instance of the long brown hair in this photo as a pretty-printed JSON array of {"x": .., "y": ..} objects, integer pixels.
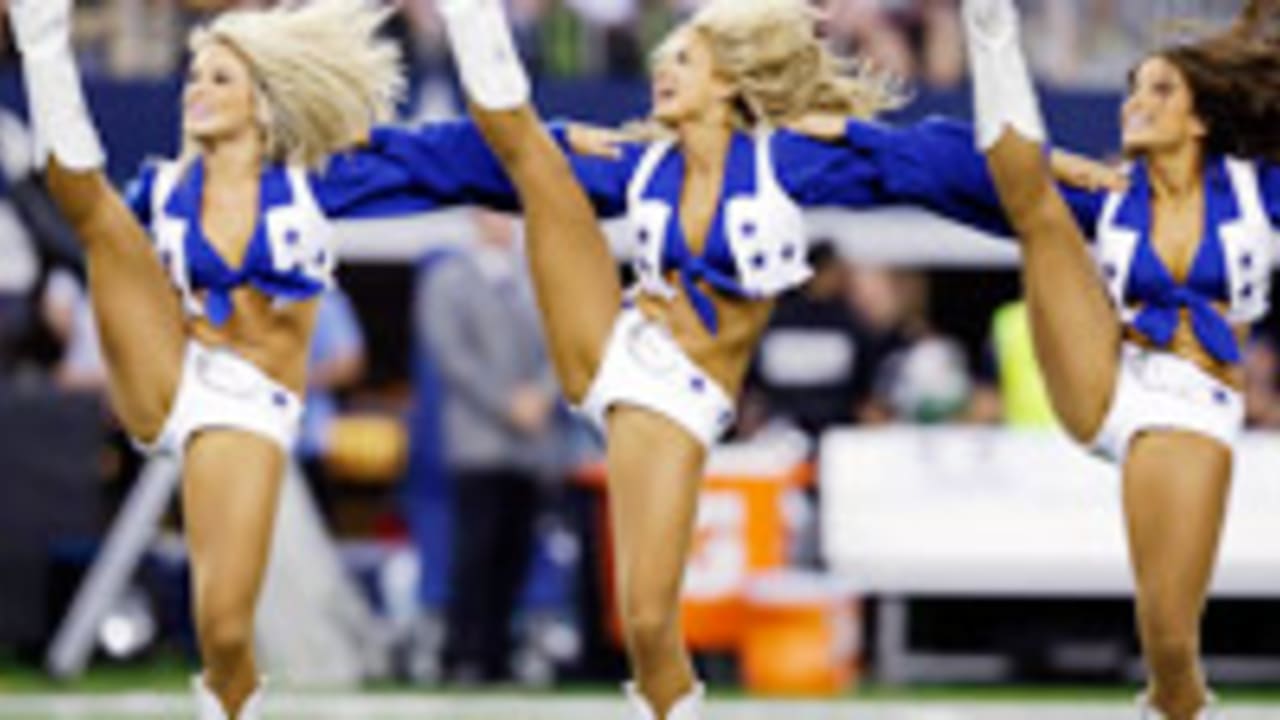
[{"x": 1235, "y": 80}]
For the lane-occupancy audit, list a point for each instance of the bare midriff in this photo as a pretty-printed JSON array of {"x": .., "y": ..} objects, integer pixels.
[
  {"x": 1176, "y": 234},
  {"x": 725, "y": 355},
  {"x": 1186, "y": 346},
  {"x": 276, "y": 340}
]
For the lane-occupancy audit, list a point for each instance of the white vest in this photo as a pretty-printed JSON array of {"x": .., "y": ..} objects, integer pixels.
[
  {"x": 300, "y": 238},
  {"x": 765, "y": 232}
]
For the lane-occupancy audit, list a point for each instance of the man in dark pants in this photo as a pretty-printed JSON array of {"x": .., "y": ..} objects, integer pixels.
[{"x": 479, "y": 324}]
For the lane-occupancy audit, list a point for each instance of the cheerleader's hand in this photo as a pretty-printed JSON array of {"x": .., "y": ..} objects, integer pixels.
[
  {"x": 821, "y": 126},
  {"x": 1085, "y": 173},
  {"x": 41, "y": 26},
  {"x": 595, "y": 141}
]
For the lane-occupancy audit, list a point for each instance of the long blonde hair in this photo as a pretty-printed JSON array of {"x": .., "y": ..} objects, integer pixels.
[
  {"x": 771, "y": 52},
  {"x": 323, "y": 76}
]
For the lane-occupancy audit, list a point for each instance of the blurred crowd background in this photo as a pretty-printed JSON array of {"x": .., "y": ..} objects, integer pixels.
[
  {"x": 432, "y": 404},
  {"x": 1079, "y": 43}
]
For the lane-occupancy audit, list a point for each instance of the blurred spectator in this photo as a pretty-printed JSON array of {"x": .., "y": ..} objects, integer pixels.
[
  {"x": 1087, "y": 43},
  {"x": 19, "y": 273},
  {"x": 68, "y": 310},
  {"x": 34, "y": 241},
  {"x": 1094, "y": 43},
  {"x": 867, "y": 28},
  {"x": 937, "y": 25},
  {"x": 913, "y": 39},
  {"x": 612, "y": 43},
  {"x": 922, "y": 376},
  {"x": 146, "y": 38},
  {"x": 336, "y": 363},
  {"x": 925, "y": 382},
  {"x": 814, "y": 365},
  {"x": 1014, "y": 392},
  {"x": 1261, "y": 370},
  {"x": 427, "y": 44},
  {"x": 477, "y": 320},
  {"x": 130, "y": 38}
]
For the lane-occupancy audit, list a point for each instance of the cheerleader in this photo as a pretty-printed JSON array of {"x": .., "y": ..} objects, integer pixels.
[
  {"x": 753, "y": 121},
  {"x": 205, "y": 279},
  {"x": 1141, "y": 349}
]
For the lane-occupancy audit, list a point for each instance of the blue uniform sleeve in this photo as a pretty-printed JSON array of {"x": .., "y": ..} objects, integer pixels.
[
  {"x": 137, "y": 193},
  {"x": 1086, "y": 206},
  {"x": 1269, "y": 180},
  {"x": 410, "y": 170},
  {"x": 605, "y": 180},
  {"x": 447, "y": 164},
  {"x": 933, "y": 164}
]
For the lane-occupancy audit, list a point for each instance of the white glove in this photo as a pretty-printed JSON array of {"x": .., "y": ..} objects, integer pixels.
[
  {"x": 41, "y": 27},
  {"x": 59, "y": 116},
  {"x": 1003, "y": 95}
]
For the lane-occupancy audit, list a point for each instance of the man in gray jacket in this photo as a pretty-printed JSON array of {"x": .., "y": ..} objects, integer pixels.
[{"x": 476, "y": 316}]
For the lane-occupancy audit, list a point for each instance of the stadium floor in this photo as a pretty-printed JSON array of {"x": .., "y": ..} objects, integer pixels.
[{"x": 516, "y": 707}]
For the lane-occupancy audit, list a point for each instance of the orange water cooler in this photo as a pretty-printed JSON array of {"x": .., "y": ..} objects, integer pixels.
[
  {"x": 792, "y": 633},
  {"x": 802, "y": 635}
]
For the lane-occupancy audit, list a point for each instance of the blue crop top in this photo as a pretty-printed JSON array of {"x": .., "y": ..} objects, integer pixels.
[
  {"x": 1231, "y": 264},
  {"x": 290, "y": 255},
  {"x": 932, "y": 165},
  {"x": 1154, "y": 286},
  {"x": 403, "y": 171}
]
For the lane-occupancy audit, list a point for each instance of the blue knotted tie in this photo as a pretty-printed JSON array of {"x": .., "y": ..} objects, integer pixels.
[
  {"x": 694, "y": 270},
  {"x": 1163, "y": 297},
  {"x": 1158, "y": 322}
]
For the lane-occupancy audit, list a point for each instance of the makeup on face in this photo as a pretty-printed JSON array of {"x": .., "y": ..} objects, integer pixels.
[
  {"x": 683, "y": 78},
  {"x": 218, "y": 100},
  {"x": 1159, "y": 111}
]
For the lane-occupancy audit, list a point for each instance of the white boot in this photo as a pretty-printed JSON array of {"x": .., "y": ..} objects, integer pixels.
[
  {"x": 688, "y": 707},
  {"x": 485, "y": 52},
  {"x": 59, "y": 116},
  {"x": 1003, "y": 95},
  {"x": 1208, "y": 712},
  {"x": 209, "y": 707}
]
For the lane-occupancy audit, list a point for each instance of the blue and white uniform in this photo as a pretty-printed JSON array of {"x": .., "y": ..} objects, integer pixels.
[
  {"x": 1231, "y": 270},
  {"x": 292, "y": 255},
  {"x": 756, "y": 247},
  {"x": 756, "y": 244}
]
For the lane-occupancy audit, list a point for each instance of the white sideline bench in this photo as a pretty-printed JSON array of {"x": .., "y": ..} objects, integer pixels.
[{"x": 919, "y": 513}]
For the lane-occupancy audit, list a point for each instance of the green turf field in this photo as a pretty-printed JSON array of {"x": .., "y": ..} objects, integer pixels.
[
  {"x": 158, "y": 690},
  {"x": 547, "y": 707}
]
